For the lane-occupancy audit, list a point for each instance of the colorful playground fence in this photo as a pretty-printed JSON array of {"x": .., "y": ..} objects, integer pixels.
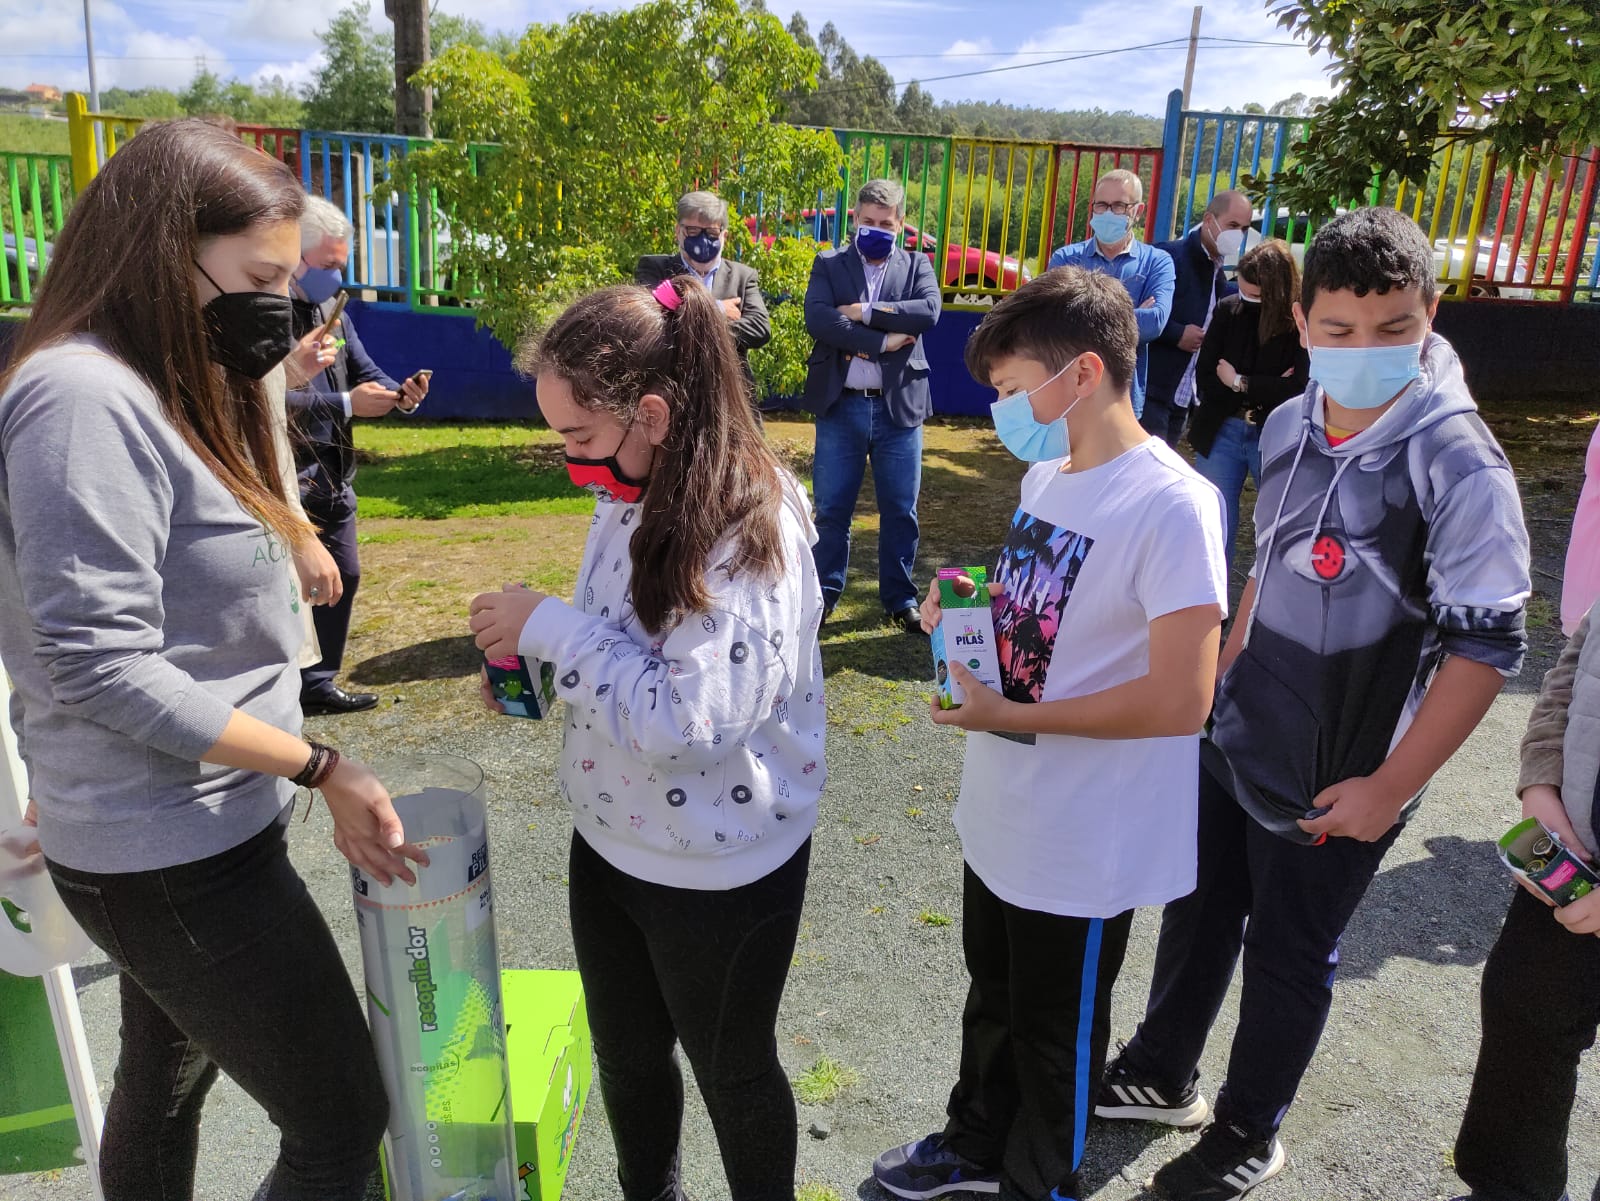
[
  {"x": 987, "y": 211},
  {"x": 35, "y": 193}
]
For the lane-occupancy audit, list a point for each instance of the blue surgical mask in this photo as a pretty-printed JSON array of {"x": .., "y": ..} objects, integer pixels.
[
  {"x": 1365, "y": 377},
  {"x": 874, "y": 243},
  {"x": 702, "y": 248},
  {"x": 319, "y": 283},
  {"x": 1110, "y": 228},
  {"x": 1021, "y": 432}
]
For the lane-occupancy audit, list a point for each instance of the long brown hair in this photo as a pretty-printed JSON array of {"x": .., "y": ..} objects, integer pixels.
[
  {"x": 122, "y": 271},
  {"x": 1271, "y": 267},
  {"x": 713, "y": 475}
]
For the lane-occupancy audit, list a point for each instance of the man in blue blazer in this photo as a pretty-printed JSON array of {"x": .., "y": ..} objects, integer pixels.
[
  {"x": 1198, "y": 260},
  {"x": 321, "y": 410},
  {"x": 867, "y": 305}
]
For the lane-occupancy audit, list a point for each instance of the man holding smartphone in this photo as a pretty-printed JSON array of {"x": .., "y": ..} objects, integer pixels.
[{"x": 346, "y": 384}]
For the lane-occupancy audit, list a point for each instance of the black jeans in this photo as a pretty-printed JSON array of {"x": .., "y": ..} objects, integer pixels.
[
  {"x": 1033, "y": 1039},
  {"x": 336, "y": 524},
  {"x": 1286, "y": 904},
  {"x": 665, "y": 965},
  {"x": 226, "y": 963},
  {"x": 1541, "y": 1006}
]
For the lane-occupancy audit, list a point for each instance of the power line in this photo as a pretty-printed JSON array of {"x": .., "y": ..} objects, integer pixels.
[
  {"x": 146, "y": 58},
  {"x": 1048, "y": 62},
  {"x": 883, "y": 58}
]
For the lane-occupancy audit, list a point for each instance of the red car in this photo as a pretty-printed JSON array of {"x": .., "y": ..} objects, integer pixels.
[{"x": 965, "y": 267}]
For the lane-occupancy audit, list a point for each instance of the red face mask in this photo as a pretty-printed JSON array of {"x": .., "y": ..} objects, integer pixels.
[{"x": 605, "y": 477}]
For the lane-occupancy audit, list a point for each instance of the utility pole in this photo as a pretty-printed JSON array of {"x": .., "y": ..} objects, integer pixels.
[
  {"x": 413, "y": 106},
  {"x": 88, "y": 41},
  {"x": 1194, "y": 47}
]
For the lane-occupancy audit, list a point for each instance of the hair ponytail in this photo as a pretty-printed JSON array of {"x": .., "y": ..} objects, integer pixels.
[{"x": 714, "y": 476}]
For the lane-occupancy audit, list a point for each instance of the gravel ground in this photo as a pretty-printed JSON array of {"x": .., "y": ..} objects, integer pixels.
[{"x": 878, "y": 989}]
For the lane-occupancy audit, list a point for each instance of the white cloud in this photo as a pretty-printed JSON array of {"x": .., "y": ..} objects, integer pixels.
[
  {"x": 300, "y": 71},
  {"x": 273, "y": 26},
  {"x": 147, "y": 59},
  {"x": 1225, "y": 75}
]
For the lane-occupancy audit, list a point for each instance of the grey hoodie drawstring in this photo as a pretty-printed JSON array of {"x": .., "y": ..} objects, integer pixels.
[{"x": 1264, "y": 554}]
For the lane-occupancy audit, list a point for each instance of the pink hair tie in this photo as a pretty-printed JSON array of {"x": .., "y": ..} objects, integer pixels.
[{"x": 667, "y": 295}]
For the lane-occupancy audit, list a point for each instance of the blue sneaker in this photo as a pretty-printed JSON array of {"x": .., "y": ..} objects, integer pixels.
[{"x": 918, "y": 1171}]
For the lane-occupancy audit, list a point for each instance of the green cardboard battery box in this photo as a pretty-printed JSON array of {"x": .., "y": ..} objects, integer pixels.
[
  {"x": 1538, "y": 856},
  {"x": 551, "y": 1068},
  {"x": 524, "y": 687},
  {"x": 965, "y": 633}
]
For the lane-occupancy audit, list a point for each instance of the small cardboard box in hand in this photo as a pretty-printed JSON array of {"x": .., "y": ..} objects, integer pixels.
[{"x": 965, "y": 633}]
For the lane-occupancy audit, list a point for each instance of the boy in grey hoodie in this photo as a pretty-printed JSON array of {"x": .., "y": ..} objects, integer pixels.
[{"x": 1383, "y": 615}]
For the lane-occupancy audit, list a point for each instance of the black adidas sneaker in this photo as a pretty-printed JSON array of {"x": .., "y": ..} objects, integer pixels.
[
  {"x": 1123, "y": 1095},
  {"x": 1227, "y": 1162}
]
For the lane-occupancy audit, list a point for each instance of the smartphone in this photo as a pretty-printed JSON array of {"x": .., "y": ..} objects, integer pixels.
[
  {"x": 332, "y": 322},
  {"x": 424, "y": 376}
]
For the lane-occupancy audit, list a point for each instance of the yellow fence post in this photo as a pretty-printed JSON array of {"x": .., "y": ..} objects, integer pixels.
[{"x": 80, "y": 137}]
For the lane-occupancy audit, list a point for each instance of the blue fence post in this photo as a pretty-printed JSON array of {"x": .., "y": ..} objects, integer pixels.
[{"x": 1171, "y": 167}]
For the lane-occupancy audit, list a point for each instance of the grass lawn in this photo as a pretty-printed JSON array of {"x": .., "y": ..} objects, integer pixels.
[
  {"x": 22, "y": 134},
  {"x": 448, "y": 511}
]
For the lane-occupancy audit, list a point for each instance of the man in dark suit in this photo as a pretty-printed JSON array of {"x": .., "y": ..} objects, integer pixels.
[
  {"x": 702, "y": 235},
  {"x": 867, "y": 305},
  {"x": 321, "y": 410},
  {"x": 1201, "y": 282}
]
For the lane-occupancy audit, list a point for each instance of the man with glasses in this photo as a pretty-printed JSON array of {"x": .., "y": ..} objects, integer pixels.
[
  {"x": 1113, "y": 249},
  {"x": 702, "y": 236}
]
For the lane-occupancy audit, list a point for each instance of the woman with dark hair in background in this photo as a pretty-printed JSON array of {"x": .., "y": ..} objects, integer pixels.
[
  {"x": 693, "y": 757},
  {"x": 1250, "y": 363},
  {"x": 148, "y": 620}
]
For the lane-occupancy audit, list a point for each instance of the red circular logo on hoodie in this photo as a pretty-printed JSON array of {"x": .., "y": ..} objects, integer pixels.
[{"x": 1327, "y": 557}]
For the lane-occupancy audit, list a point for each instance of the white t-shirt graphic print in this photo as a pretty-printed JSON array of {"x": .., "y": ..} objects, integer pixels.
[{"x": 1082, "y": 826}]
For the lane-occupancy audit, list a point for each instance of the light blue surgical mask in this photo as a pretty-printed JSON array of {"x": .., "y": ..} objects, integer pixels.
[
  {"x": 1023, "y": 434},
  {"x": 319, "y": 283},
  {"x": 874, "y": 243},
  {"x": 1365, "y": 377},
  {"x": 1110, "y": 228}
]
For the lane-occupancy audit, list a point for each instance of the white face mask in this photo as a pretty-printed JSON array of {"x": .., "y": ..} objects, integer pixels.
[
  {"x": 1249, "y": 299},
  {"x": 1232, "y": 244}
]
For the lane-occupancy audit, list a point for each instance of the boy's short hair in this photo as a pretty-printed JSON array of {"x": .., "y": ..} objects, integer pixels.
[
  {"x": 1369, "y": 250},
  {"x": 1055, "y": 318}
]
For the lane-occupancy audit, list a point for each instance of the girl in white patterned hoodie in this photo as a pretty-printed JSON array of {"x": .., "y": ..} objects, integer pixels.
[{"x": 693, "y": 751}]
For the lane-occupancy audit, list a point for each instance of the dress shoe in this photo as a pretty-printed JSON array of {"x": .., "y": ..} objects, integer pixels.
[
  {"x": 335, "y": 701},
  {"x": 908, "y": 619}
]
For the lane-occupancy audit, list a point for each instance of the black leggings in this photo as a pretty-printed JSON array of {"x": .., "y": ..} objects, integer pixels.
[
  {"x": 665, "y": 965},
  {"x": 226, "y": 963}
]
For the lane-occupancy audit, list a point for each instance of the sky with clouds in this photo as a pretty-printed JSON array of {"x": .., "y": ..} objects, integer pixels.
[{"x": 142, "y": 43}]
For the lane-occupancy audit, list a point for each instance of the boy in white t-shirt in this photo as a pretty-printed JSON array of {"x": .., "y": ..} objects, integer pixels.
[{"x": 1078, "y": 797}]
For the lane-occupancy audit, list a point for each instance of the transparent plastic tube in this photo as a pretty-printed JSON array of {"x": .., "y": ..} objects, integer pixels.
[{"x": 433, "y": 992}]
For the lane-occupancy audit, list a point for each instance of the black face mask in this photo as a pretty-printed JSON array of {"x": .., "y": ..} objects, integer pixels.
[{"x": 249, "y": 332}]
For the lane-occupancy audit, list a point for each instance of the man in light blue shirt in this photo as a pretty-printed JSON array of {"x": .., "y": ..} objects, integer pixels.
[{"x": 1113, "y": 249}]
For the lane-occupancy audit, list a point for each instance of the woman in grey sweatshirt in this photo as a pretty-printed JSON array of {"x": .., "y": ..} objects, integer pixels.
[{"x": 148, "y": 619}]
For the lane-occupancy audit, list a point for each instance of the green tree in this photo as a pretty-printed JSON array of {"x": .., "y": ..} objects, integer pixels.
[
  {"x": 851, "y": 92},
  {"x": 916, "y": 112},
  {"x": 601, "y": 123},
  {"x": 272, "y": 102},
  {"x": 1522, "y": 74},
  {"x": 141, "y": 102},
  {"x": 205, "y": 94},
  {"x": 354, "y": 89}
]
